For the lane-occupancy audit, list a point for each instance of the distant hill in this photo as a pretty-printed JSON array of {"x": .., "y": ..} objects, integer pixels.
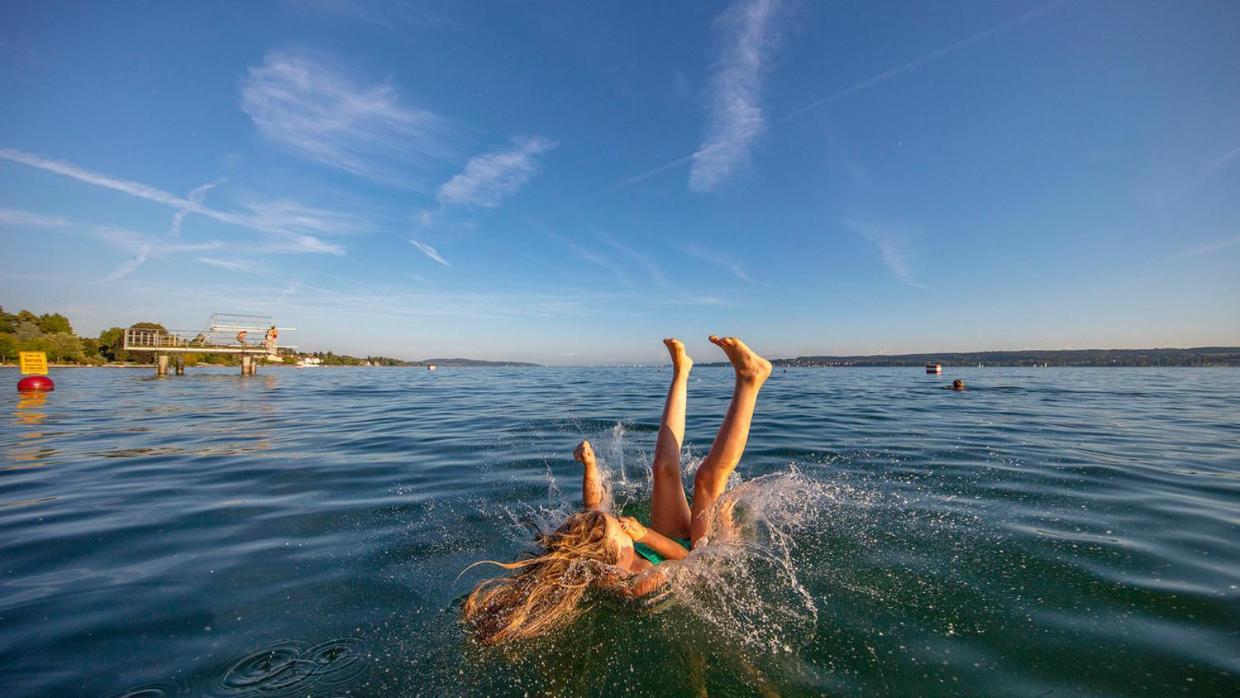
[
  {"x": 474, "y": 363},
  {"x": 1199, "y": 356}
]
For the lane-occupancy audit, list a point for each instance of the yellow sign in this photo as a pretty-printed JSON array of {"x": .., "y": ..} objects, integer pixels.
[{"x": 33, "y": 363}]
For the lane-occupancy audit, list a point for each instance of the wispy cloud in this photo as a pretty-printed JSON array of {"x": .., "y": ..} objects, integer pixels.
[
  {"x": 652, "y": 270},
  {"x": 295, "y": 241},
  {"x": 129, "y": 266},
  {"x": 142, "y": 248},
  {"x": 231, "y": 264},
  {"x": 935, "y": 55},
  {"x": 731, "y": 266},
  {"x": 736, "y": 114},
  {"x": 892, "y": 245},
  {"x": 744, "y": 136},
  {"x": 141, "y": 191},
  {"x": 489, "y": 179},
  {"x": 429, "y": 252},
  {"x": 283, "y": 214},
  {"x": 196, "y": 196},
  {"x": 1203, "y": 249},
  {"x": 26, "y": 219},
  {"x": 320, "y": 113}
]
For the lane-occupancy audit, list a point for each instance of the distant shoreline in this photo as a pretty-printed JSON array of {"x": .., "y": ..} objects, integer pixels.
[{"x": 1198, "y": 357}]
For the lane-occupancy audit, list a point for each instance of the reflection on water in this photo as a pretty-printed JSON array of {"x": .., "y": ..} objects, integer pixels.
[
  {"x": 30, "y": 451},
  {"x": 1047, "y": 531},
  {"x": 30, "y": 405}
]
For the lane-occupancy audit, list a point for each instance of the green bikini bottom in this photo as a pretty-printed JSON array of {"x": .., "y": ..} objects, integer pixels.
[{"x": 648, "y": 552}]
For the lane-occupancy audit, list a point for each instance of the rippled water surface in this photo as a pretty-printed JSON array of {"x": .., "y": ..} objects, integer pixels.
[{"x": 1048, "y": 532}]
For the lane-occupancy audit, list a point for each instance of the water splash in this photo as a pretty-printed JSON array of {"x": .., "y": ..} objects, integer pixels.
[{"x": 743, "y": 578}]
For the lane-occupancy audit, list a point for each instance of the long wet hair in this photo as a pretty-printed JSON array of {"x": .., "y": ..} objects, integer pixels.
[{"x": 544, "y": 590}]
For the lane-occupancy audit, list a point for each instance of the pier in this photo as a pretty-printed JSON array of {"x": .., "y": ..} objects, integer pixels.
[{"x": 242, "y": 335}]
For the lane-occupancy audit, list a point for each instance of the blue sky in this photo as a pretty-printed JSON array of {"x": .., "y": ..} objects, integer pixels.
[{"x": 569, "y": 182}]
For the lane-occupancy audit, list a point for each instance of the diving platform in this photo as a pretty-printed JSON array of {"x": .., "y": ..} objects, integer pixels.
[{"x": 244, "y": 335}]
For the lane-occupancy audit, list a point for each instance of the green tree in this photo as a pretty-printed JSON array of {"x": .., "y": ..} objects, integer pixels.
[
  {"x": 28, "y": 330},
  {"x": 8, "y": 347},
  {"x": 112, "y": 343},
  {"x": 8, "y": 322},
  {"x": 63, "y": 347},
  {"x": 53, "y": 323}
]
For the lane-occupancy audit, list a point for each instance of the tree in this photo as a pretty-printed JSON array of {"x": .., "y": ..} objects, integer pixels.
[
  {"x": 28, "y": 330},
  {"x": 8, "y": 322},
  {"x": 52, "y": 323},
  {"x": 8, "y": 347},
  {"x": 63, "y": 346},
  {"x": 111, "y": 344}
]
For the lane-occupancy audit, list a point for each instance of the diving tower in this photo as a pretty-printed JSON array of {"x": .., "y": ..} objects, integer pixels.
[{"x": 225, "y": 333}]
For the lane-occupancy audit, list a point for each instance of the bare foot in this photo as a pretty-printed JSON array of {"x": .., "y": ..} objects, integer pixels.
[
  {"x": 681, "y": 363},
  {"x": 583, "y": 453},
  {"x": 750, "y": 367}
]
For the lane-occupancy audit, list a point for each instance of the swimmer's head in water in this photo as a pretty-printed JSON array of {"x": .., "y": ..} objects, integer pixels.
[
  {"x": 544, "y": 590},
  {"x": 957, "y": 384}
]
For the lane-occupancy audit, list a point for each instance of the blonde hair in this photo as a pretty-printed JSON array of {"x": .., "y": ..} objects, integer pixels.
[{"x": 545, "y": 590}]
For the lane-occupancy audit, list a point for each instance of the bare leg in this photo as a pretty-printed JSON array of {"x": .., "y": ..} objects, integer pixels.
[
  {"x": 591, "y": 481},
  {"x": 669, "y": 509},
  {"x": 712, "y": 476}
]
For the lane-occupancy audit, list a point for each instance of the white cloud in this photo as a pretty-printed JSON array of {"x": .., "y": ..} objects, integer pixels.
[
  {"x": 129, "y": 266},
  {"x": 892, "y": 245},
  {"x": 736, "y": 115},
  {"x": 283, "y": 214},
  {"x": 242, "y": 265},
  {"x": 196, "y": 196},
  {"x": 143, "y": 248},
  {"x": 325, "y": 116},
  {"x": 26, "y": 219},
  {"x": 489, "y": 179},
  {"x": 746, "y": 135},
  {"x": 280, "y": 227},
  {"x": 429, "y": 252}
]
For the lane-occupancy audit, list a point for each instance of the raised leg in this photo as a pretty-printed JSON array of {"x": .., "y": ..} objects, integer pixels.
[
  {"x": 669, "y": 509},
  {"x": 591, "y": 480},
  {"x": 712, "y": 475}
]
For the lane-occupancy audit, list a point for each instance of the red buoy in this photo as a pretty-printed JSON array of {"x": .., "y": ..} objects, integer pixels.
[{"x": 35, "y": 384}]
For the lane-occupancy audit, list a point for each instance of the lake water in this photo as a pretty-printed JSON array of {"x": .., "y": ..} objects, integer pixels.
[{"x": 301, "y": 532}]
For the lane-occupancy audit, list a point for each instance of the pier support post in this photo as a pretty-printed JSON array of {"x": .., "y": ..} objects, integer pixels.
[
  {"x": 247, "y": 365},
  {"x": 180, "y": 365},
  {"x": 161, "y": 365}
]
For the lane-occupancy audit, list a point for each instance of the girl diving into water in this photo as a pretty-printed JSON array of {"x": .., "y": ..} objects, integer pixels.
[{"x": 596, "y": 549}]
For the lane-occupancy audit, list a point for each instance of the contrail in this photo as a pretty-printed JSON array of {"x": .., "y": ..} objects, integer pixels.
[{"x": 868, "y": 83}]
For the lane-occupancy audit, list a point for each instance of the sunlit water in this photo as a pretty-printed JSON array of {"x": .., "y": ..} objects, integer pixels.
[{"x": 1050, "y": 531}]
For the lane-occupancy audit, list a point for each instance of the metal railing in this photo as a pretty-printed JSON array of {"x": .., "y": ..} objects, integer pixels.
[{"x": 141, "y": 338}]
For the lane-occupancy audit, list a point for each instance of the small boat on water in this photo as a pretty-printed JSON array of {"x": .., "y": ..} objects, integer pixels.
[
  {"x": 934, "y": 368},
  {"x": 431, "y": 367}
]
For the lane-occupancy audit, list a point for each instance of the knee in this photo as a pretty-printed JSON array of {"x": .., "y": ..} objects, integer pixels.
[
  {"x": 664, "y": 468},
  {"x": 710, "y": 478}
]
